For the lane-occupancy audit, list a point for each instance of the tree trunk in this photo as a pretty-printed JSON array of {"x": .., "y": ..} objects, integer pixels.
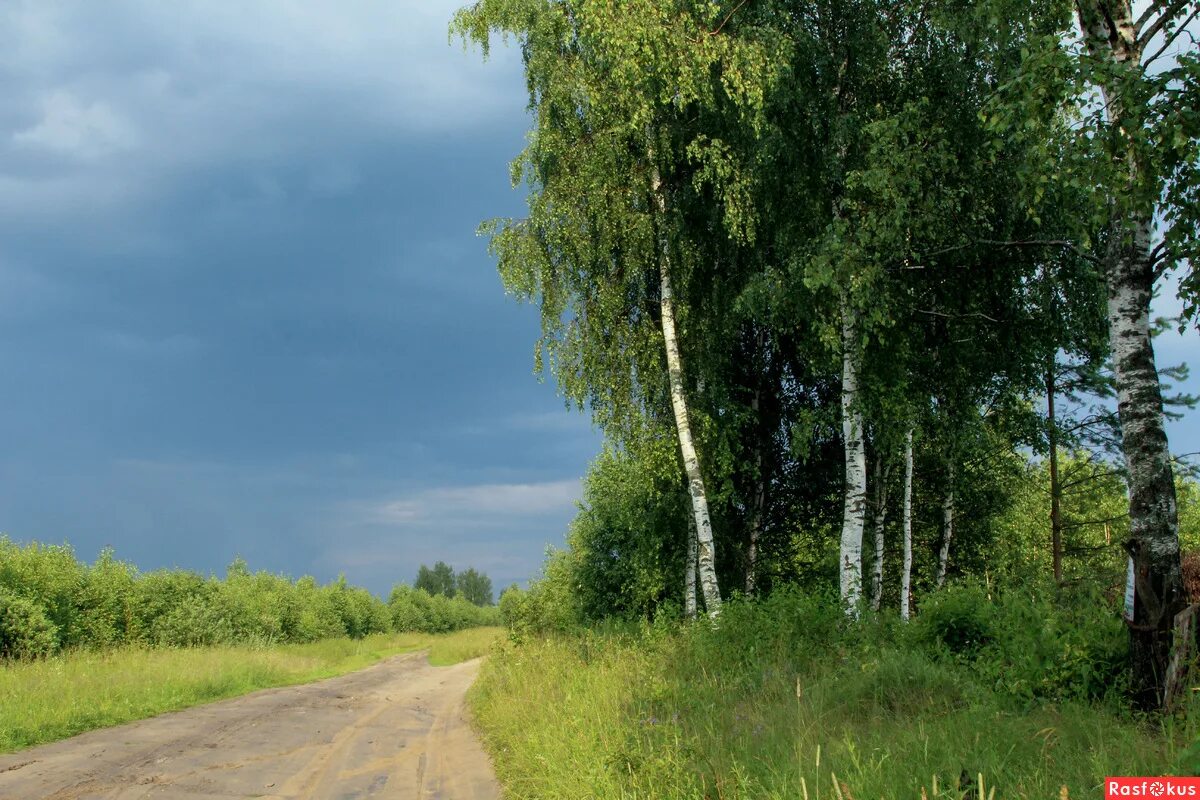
[
  {"x": 947, "y": 526},
  {"x": 881, "y": 498},
  {"x": 855, "y": 505},
  {"x": 706, "y": 558},
  {"x": 1153, "y": 519},
  {"x": 689, "y": 572},
  {"x": 756, "y": 514},
  {"x": 1056, "y": 544},
  {"x": 906, "y": 575},
  {"x": 1111, "y": 34}
]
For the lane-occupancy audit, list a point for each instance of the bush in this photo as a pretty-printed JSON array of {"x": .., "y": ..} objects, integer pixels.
[
  {"x": 110, "y": 603},
  {"x": 193, "y": 624},
  {"x": 25, "y": 630},
  {"x": 959, "y": 618},
  {"x": 412, "y": 609}
]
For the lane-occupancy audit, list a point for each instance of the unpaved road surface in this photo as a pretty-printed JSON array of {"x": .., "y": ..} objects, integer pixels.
[{"x": 394, "y": 730}]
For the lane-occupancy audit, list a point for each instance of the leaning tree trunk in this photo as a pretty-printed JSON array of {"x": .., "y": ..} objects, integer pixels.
[
  {"x": 947, "y": 526},
  {"x": 1111, "y": 34},
  {"x": 706, "y": 558},
  {"x": 854, "y": 510},
  {"x": 906, "y": 574},
  {"x": 760, "y": 498},
  {"x": 881, "y": 498},
  {"x": 689, "y": 572}
]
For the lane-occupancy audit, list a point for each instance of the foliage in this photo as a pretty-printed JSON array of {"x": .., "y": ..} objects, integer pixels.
[
  {"x": 417, "y": 610},
  {"x": 475, "y": 587},
  {"x": 439, "y": 580},
  {"x": 25, "y": 631},
  {"x": 57, "y": 602},
  {"x": 959, "y": 619}
]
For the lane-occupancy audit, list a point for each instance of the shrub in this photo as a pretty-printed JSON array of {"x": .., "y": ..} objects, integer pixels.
[
  {"x": 193, "y": 624},
  {"x": 25, "y": 630},
  {"x": 959, "y": 618},
  {"x": 110, "y": 603},
  {"x": 412, "y": 609}
]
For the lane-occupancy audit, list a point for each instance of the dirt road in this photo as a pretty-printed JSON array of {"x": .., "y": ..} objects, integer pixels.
[{"x": 394, "y": 730}]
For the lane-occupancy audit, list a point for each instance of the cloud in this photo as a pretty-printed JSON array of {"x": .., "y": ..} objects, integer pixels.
[
  {"x": 474, "y": 504},
  {"x": 79, "y": 129},
  {"x": 140, "y": 94}
]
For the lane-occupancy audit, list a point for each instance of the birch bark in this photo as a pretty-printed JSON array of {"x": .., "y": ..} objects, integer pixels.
[
  {"x": 855, "y": 501},
  {"x": 906, "y": 574},
  {"x": 1111, "y": 34},
  {"x": 947, "y": 526},
  {"x": 706, "y": 557},
  {"x": 689, "y": 573},
  {"x": 881, "y": 498}
]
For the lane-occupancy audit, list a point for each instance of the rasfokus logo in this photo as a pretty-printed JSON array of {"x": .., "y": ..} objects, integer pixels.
[{"x": 1151, "y": 787}]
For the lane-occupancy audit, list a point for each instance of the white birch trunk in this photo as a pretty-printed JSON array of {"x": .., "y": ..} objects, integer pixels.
[
  {"x": 906, "y": 574},
  {"x": 947, "y": 527},
  {"x": 881, "y": 498},
  {"x": 706, "y": 558},
  {"x": 689, "y": 573},
  {"x": 855, "y": 505},
  {"x": 1111, "y": 33}
]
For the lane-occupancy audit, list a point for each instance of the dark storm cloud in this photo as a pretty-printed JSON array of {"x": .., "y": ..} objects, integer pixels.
[{"x": 242, "y": 308}]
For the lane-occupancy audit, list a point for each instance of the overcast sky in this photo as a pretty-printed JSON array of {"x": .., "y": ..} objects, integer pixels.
[{"x": 242, "y": 306}]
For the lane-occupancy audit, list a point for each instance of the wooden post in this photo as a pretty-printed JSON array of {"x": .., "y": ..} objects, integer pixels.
[{"x": 1183, "y": 657}]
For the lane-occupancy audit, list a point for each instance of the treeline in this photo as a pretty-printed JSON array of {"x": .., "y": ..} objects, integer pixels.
[
  {"x": 51, "y": 601},
  {"x": 469, "y": 584},
  {"x": 826, "y": 274}
]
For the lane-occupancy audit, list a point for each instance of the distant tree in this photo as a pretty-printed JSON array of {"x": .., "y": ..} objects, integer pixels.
[
  {"x": 475, "y": 587},
  {"x": 439, "y": 580}
]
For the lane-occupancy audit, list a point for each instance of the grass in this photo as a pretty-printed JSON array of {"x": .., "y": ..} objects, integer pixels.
[
  {"x": 42, "y": 701},
  {"x": 668, "y": 714}
]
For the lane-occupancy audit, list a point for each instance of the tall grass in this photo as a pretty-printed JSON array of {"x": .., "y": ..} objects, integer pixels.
[
  {"x": 56, "y": 697},
  {"x": 783, "y": 696}
]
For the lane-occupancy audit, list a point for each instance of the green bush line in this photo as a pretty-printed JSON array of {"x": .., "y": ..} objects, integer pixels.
[
  {"x": 50, "y": 601},
  {"x": 1024, "y": 688}
]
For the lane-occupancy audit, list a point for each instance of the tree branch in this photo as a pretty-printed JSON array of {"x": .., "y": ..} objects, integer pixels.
[
  {"x": 957, "y": 316},
  {"x": 1170, "y": 40},
  {"x": 1145, "y": 34},
  {"x": 1063, "y": 243}
]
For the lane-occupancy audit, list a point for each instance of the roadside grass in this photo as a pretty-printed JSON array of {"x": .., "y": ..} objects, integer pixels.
[
  {"x": 462, "y": 645},
  {"x": 660, "y": 714},
  {"x": 45, "y": 700}
]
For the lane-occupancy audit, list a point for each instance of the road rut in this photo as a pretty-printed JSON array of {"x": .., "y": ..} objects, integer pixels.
[{"x": 395, "y": 730}]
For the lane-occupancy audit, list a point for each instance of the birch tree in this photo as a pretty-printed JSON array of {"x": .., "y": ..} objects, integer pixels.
[
  {"x": 854, "y": 443},
  {"x": 1130, "y": 80},
  {"x": 615, "y": 89}
]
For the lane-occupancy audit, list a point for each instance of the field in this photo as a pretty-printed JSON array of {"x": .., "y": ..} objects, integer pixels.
[{"x": 53, "y": 698}]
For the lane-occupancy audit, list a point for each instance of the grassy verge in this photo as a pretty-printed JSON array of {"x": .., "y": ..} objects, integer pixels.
[
  {"x": 680, "y": 714},
  {"x": 45, "y": 700}
]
